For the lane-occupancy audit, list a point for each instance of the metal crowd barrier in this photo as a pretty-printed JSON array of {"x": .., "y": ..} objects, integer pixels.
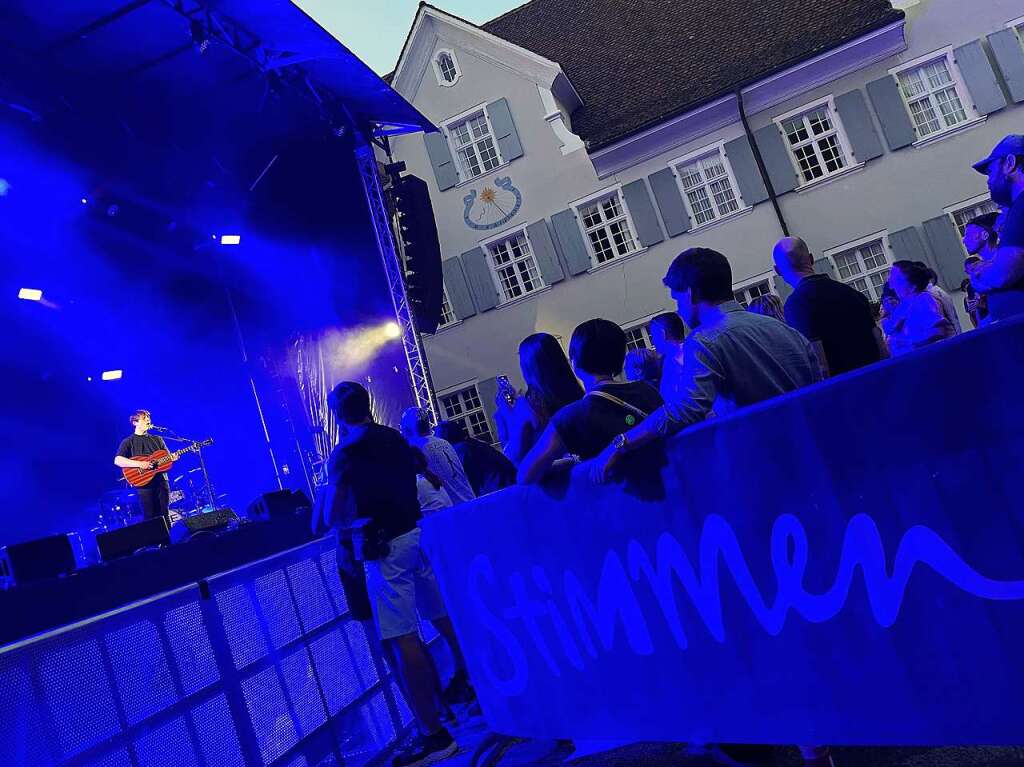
[{"x": 261, "y": 665}]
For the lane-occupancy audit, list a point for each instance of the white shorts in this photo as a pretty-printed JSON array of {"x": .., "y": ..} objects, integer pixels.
[{"x": 402, "y": 584}]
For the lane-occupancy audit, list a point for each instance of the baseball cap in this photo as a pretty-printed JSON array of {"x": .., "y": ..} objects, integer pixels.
[{"x": 1011, "y": 144}]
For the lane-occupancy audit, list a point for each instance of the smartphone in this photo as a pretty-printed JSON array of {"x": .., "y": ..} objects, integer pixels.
[{"x": 506, "y": 390}]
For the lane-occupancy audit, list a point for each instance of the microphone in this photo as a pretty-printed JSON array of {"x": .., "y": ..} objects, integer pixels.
[{"x": 158, "y": 428}]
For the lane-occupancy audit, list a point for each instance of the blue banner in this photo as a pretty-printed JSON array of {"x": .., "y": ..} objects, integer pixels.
[{"x": 843, "y": 565}]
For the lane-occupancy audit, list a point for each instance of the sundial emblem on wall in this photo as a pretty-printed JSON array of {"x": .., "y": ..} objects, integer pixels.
[{"x": 495, "y": 205}]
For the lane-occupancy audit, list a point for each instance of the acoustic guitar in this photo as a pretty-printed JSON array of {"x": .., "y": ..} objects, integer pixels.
[{"x": 163, "y": 460}]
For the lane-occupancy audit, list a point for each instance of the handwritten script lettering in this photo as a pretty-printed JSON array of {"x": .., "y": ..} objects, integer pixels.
[{"x": 536, "y": 611}]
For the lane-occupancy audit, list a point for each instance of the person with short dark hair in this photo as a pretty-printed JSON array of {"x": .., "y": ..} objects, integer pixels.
[
  {"x": 826, "y": 310},
  {"x": 919, "y": 319},
  {"x": 731, "y": 358},
  {"x": 441, "y": 456},
  {"x": 980, "y": 236},
  {"x": 521, "y": 417},
  {"x": 372, "y": 475},
  {"x": 1001, "y": 278},
  {"x": 487, "y": 469},
  {"x": 667, "y": 333},
  {"x": 155, "y": 494},
  {"x": 597, "y": 351}
]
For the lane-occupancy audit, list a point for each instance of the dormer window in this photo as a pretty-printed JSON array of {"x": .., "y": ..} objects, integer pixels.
[{"x": 446, "y": 68}]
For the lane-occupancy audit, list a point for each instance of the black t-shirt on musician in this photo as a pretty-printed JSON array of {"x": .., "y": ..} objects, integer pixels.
[
  {"x": 143, "y": 444},
  {"x": 379, "y": 472},
  {"x": 588, "y": 425}
]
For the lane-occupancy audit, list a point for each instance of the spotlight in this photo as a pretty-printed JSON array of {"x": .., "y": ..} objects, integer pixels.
[
  {"x": 30, "y": 294},
  {"x": 230, "y": 239},
  {"x": 391, "y": 330},
  {"x": 112, "y": 375},
  {"x": 85, "y": 201}
]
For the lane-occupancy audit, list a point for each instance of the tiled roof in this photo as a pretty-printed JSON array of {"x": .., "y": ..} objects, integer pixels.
[{"x": 636, "y": 63}]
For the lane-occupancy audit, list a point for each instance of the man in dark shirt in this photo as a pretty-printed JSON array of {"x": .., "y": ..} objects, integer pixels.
[
  {"x": 154, "y": 495},
  {"x": 826, "y": 310},
  {"x": 372, "y": 475},
  {"x": 487, "y": 469},
  {"x": 1002, "y": 277},
  {"x": 597, "y": 351}
]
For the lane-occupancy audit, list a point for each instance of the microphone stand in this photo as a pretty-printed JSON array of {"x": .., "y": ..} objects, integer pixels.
[{"x": 168, "y": 434}]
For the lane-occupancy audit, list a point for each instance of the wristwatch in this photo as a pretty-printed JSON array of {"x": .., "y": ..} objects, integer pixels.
[{"x": 620, "y": 442}]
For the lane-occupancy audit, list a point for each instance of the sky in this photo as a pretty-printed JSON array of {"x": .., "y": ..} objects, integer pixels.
[{"x": 374, "y": 30}]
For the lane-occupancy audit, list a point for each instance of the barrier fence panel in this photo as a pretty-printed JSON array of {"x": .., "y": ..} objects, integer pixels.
[{"x": 262, "y": 665}]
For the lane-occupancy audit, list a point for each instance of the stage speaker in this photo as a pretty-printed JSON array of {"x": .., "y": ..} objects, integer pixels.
[
  {"x": 278, "y": 504},
  {"x": 128, "y": 540},
  {"x": 36, "y": 560},
  {"x": 187, "y": 527},
  {"x": 418, "y": 230}
]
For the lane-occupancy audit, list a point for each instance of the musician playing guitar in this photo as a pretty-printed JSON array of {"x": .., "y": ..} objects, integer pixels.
[{"x": 154, "y": 495}]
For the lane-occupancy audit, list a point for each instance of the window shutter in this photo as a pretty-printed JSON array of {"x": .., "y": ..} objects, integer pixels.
[
  {"x": 853, "y": 111},
  {"x": 670, "y": 202},
  {"x": 478, "y": 275},
  {"x": 980, "y": 78},
  {"x": 458, "y": 290},
  {"x": 947, "y": 250},
  {"x": 776, "y": 159},
  {"x": 782, "y": 289},
  {"x": 570, "y": 240},
  {"x": 744, "y": 167},
  {"x": 441, "y": 160},
  {"x": 641, "y": 211},
  {"x": 907, "y": 245},
  {"x": 824, "y": 266},
  {"x": 504, "y": 130},
  {"x": 892, "y": 113},
  {"x": 1010, "y": 57},
  {"x": 544, "y": 252},
  {"x": 487, "y": 390}
]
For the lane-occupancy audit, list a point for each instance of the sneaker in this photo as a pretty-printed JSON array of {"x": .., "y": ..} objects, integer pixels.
[
  {"x": 427, "y": 750},
  {"x": 459, "y": 690}
]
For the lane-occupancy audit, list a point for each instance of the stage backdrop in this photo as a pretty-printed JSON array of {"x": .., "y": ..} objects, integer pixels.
[{"x": 844, "y": 565}]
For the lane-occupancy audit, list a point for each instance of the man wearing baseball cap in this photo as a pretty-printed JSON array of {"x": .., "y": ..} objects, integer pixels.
[{"x": 1002, "y": 278}]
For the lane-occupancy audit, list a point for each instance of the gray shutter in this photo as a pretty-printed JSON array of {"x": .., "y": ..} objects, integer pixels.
[
  {"x": 853, "y": 111},
  {"x": 544, "y": 252},
  {"x": 487, "y": 390},
  {"x": 641, "y": 210},
  {"x": 458, "y": 291},
  {"x": 441, "y": 160},
  {"x": 670, "y": 201},
  {"x": 892, "y": 113},
  {"x": 504, "y": 130},
  {"x": 1010, "y": 57},
  {"x": 980, "y": 77},
  {"x": 907, "y": 245},
  {"x": 478, "y": 275},
  {"x": 947, "y": 250},
  {"x": 782, "y": 289},
  {"x": 776, "y": 159},
  {"x": 744, "y": 168},
  {"x": 570, "y": 241},
  {"x": 825, "y": 266}
]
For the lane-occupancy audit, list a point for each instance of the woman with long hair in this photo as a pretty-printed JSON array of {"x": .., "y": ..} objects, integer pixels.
[
  {"x": 550, "y": 386},
  {"x": 918, "y": 319}
]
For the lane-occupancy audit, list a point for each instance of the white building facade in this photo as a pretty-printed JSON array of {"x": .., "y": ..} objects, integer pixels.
[{"x": 559, "y": 198}]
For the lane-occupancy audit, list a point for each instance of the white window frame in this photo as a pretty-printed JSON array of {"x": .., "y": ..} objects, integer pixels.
[
  {"x": 1016, "y": 25},
  {"x": 719, "y": 148},
  {"x": 974, "y": 202},
  {"x": 437, "y": 67},
  {"x": 840, "y": 132},
  {"x": 601, "y": 194},
  {"x": 749, "y": 282},
  {"x": 457, "y": 391},
  {"x": 450, "y": 123},
  {"x": 508, "y": 234},
  {"x": 445, "y": 301},
  {"x": 962, "y": 92},
  {"x": 644, "y": 326},
  {"x": 831, "y": 253}
]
